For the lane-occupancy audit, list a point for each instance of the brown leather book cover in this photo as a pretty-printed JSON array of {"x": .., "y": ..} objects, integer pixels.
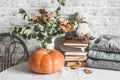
[{"x": 76, "y": 41}]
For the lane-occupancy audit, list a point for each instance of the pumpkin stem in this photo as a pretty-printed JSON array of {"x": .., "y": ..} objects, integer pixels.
[{"x": 47, "y": 52}]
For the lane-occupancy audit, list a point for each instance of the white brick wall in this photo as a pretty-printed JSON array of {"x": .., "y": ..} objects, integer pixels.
[{"x": 103, "y": 14}]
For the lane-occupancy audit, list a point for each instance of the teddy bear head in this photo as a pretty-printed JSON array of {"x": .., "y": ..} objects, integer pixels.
[{"x": 81, "y": 16}]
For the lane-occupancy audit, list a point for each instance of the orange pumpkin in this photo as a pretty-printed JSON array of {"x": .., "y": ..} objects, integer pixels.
[{"x": 46, "y": 61}]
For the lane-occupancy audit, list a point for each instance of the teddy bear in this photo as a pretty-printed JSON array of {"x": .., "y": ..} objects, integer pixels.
[{"x": 83, "y": 27}]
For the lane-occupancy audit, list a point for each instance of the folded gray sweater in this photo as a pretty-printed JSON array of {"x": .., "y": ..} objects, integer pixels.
[
  {"x": 102, "y": 64},
  {"x": 104, "y": 55},
  {"x": 107, "y": 43}
]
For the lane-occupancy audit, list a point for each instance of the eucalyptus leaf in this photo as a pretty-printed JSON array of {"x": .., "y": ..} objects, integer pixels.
[
  {"x": 27, "y": 32},
  {"x": 41, "y": 27},
  {"x": 75, "y": 22},
  {"x": 29, "y": 18},
  {"x": 16, "y": 30},
  {"x": 62, "y": 2},
  {"x": 51, "y": 31},
  {"x": 19, "y": 29},
  {"x": 57, "y": 11},
  {"x": 49, "y": 39},
  {"x": 43, "y": 46},
  {"x": 54, "y": 25},
  {"x": 22, "y": 11},
  {"x": 36, "y": 28},
  {"x": 40, "y": 36},
  {"x": 48, "y": 24},
  {"x": 24, "y": 36},
  {"x": 29, "y": 36},
  {"x": 34, "y": 35}
]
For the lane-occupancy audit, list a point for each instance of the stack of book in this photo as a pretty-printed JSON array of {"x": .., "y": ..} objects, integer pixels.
[
  {"x": 76, "y": 57},
  {"x": 75, "y": 49}
]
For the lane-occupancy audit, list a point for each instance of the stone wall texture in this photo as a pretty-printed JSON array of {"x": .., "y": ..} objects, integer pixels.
[{"x": 104, "y": 15}]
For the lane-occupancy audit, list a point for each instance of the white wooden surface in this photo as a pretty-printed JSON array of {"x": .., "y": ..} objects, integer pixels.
[{"x": 22, "y": 72}]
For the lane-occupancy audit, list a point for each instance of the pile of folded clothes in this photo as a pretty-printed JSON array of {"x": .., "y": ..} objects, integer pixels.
[{"x": 104, "y": 53}]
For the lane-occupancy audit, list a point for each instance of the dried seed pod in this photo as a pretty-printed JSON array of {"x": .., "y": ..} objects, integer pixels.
[{"x": 87, "y": 71}]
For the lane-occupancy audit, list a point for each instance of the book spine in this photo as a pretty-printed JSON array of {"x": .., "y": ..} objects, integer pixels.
[
  {"x": 75, "y": 53},
  {"x": 81, "y": 64},
  {"x": 76, "y": 58},
  {"x": 75, "y": 45},
  {"x": 69, "y": 48}
]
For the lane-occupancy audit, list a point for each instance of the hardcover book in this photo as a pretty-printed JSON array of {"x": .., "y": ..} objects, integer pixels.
[
  {"x": 69, "y": 48},
  {"x": 76, "y": 58},
  {"x": 75, "y": 53},
  {"x": 75, "y": 41},
  {"x": 71, "y": 63}
]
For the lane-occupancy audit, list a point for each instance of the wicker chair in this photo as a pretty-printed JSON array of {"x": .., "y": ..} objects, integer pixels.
[{"x": 13, "y": 51}]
